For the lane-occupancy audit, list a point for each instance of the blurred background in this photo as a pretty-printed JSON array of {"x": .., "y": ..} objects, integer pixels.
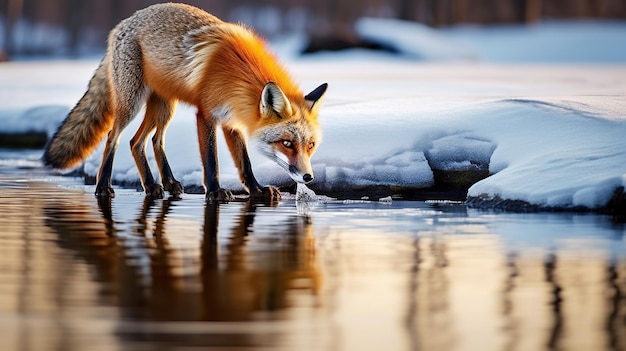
[{"x": 79, "y": 27}]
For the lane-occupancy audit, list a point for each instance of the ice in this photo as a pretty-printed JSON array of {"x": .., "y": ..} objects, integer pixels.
[
  {"x": 385, "y": 200},
  {"x": 306, "y": 199},
  {"x": 304, "y": 194},
  {"x": 460, "y": 152}
]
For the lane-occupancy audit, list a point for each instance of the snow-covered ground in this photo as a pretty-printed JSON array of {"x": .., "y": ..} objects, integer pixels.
[{"x": 551, "y": 134}]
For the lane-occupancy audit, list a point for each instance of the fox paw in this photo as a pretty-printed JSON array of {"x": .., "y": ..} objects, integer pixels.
[
  {"x": 173, "y": 187},
  {"x": 219, "y": 195},
  {"x": 105, "y": 191},
  {"x": 268, "y": 193},
  {"x": 155, "y": 191}
]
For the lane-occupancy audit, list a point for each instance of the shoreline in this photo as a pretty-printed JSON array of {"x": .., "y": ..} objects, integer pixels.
[{"x": 449, "y": 186}]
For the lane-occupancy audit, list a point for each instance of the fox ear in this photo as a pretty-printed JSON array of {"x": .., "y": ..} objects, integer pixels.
[
  {"x": 274, "y": 100},
  {"x": 313, "y": 97}
]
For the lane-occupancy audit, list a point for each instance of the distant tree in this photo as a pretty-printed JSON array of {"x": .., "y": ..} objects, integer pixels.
[
  {"x": 117, "y": 12},
  {"x": 318, "y": 17},
  {"x": 13, "y": 14},
  {"x": 532, "y": 10},
  {"x": 74, "y": 16}
]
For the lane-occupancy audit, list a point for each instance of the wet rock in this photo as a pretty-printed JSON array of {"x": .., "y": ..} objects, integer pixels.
[
  {"x": 25, "y": 140},
  {"x": 616, "y": 207},
  {"x": 338, "y": 43}
]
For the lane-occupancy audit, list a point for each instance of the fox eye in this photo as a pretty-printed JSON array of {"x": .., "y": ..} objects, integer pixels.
[
  {"x": 311, "y": 145},
  {"x": 288, "y": 144}
]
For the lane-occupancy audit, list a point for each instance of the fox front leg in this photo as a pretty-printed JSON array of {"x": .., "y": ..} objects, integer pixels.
[
  {"x": 208, "y": 151},
  {"x": 239, "y": 151}
]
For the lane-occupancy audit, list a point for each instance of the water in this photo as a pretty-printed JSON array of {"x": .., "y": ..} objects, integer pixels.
[{"x": 132, "y": 274}]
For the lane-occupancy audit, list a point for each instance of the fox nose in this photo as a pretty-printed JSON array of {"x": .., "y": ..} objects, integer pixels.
[{"x": 307, "y": 178}]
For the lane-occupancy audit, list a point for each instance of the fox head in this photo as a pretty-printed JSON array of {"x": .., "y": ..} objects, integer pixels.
[{"x": 291, "y": 132}]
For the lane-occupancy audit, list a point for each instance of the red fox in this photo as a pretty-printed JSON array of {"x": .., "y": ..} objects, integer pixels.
[{"x": 171, "y": 52}]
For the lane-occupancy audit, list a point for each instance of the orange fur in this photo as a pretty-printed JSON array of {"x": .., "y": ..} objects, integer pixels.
[{"x": 241, "y": 65}]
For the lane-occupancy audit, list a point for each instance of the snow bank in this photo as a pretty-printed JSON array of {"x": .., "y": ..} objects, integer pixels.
[
  {"x": 548, "y": 155},
  {"x": 545, "y": 155},
  {"x": 580, "y": 41},
  {"x": 412, "y": 39},
  {"x": 563, "y": 41},
  {"x": 36, "y": 119}
]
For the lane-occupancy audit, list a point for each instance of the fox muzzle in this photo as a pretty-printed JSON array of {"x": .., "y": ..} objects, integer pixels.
[{"x": 297, "y": 176}]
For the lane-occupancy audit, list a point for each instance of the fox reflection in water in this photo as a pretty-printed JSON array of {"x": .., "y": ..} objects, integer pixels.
[
  {"x": 232, "y": 277},
  {"x": 395, "y": 276}
]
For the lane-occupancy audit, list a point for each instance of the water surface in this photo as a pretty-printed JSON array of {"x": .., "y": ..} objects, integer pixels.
[{"x": 135, "y": 274}]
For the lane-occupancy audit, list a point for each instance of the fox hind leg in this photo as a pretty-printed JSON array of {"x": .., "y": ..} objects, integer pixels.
[
  {"x": 162, "y": 111},
  {"x": 128, "y": 95},
  {"x": 123, "y": 116},
  {"x": 138, "y": 148},
  {"x": 103, "y": 186}
]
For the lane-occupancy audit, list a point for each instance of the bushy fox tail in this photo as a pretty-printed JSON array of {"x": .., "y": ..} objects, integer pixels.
[{"x": 84, "y": 127}]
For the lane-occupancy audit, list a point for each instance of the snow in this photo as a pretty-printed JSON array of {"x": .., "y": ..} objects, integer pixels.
[
  {"x": 558, "y": 42},
  {"x": 413, "y": 39},
  {"x": 549, "y": 134},
  {"x": 581, "y": 41}
]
